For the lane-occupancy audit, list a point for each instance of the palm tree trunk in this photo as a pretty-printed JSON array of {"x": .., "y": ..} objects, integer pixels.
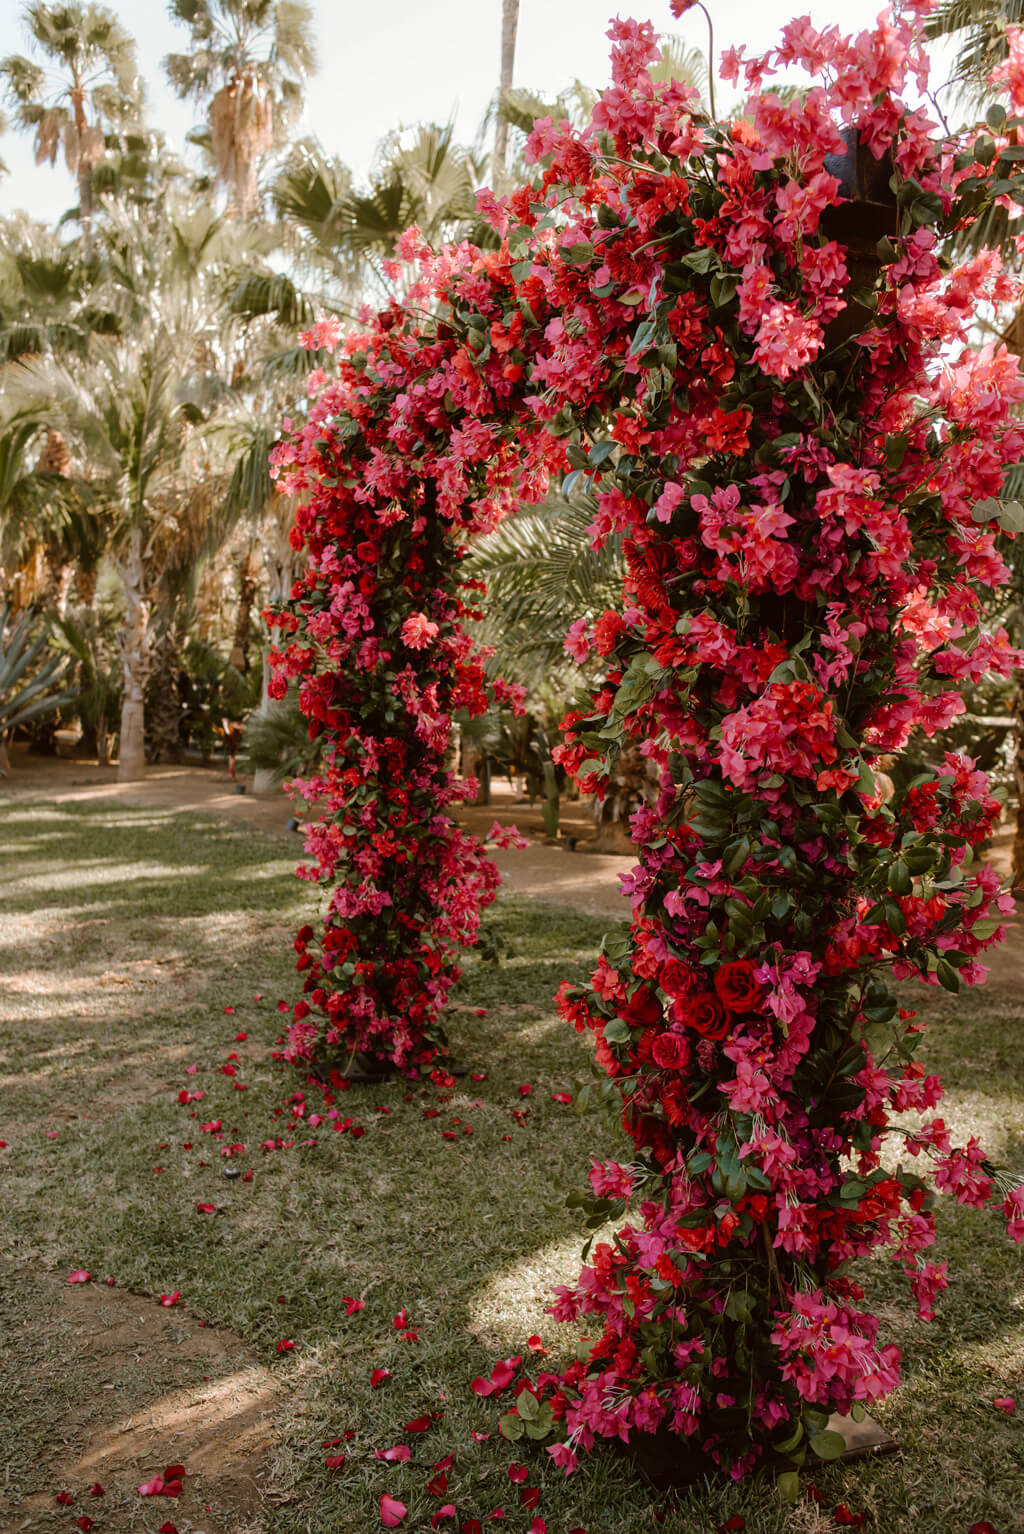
[
  {"x": 135, "y": 658},
  {"x": 509, "y": 27}
]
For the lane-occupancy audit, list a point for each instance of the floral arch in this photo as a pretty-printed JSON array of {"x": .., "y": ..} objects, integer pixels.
[{"x": 804, "y": 457}]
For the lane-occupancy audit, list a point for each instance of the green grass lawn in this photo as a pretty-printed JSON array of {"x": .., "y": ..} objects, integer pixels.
[{"x": 124, "y": 936}]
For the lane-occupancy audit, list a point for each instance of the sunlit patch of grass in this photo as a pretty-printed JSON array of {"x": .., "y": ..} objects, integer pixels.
[{"x": 465, "y": 1234}]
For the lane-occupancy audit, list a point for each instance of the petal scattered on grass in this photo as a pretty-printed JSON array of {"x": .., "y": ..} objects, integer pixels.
[
  {"x": 334, "y": 1461},
  {"x": 170, "y": 1299},
  {"x": 1005, "y": 1403},
  {"x": 391, "y": 1511},
  {"x": 417, "y": 1425},
  {"x": 378, "y": 1377},
  {"x": 398, "y": 1455},
  {"x": 152, "y": 1488},
  {"x": 284, "y": 1346},
  {"x": 79, "y": 1276},
  {"x": 207, "y": 1208}
]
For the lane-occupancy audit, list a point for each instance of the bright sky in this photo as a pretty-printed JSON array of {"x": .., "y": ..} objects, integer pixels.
[{"x": 405, "y": 61}]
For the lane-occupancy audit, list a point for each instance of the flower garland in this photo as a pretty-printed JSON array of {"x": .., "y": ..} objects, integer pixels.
[{"x": 804, "y": 456}]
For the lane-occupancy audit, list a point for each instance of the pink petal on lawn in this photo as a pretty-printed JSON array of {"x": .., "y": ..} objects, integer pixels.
[
  {"x": 378, "y": 1376},
  {"x": 417, "y": 1425},
  {"x": 206, "y": 1208},
  {"x": 400, "y": 1321},
  {"x": 397, "y": 1455},
  {"x": 79, "y": 1276},
  {"x": 352, "y": 1307},
  {"x": 448, "y": 1511},
  {"x": 1006, "y": 1404},
  {"x": 284, "y": 1346},
  {"x": 561, "y": 1097},
  {"x": 391, "y": 1511},
  {"x": 171, "y": 1299},
  {"x": 152, "y": 1488},
  {"x": 171, "y": 1489}
]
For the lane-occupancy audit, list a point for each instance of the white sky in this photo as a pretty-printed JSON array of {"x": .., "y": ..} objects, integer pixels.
[{"x": 404, "y": 61}]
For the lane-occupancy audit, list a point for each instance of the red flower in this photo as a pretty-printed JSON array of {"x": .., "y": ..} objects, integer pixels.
[
  {"x": 671, "y": 1051},
  {"x": 704, "y": 1014},
  {"x": 736, "y": 987}
]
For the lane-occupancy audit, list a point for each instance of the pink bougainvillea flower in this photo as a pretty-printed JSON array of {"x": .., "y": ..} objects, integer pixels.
[
  {"x": 418, "y": 1425},
  {"x": 171, "y": 1299},
  {"x": 352, "y": 1307},
  {"x": 284, "y": 1346},
  {"x": 334, "y": 1461},
  {"x": 206, "y": 1208},
  {"x": 378, "y": 1376},
  {"x": 391, "y": 1511},
  {"x": 397, "y": 1455},
  {"x": 1005, "y": 1403},
  {"x": 418, "y": 630},
  {"x": 506, "y": 836}
]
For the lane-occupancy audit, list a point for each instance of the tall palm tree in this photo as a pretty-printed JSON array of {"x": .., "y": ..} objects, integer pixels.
[
  {"x": 87, "y": 85},
  {"x": 980, "y": 29},
  {"x": 509, "y": 27},
  {"x": 246, "y": 63}
]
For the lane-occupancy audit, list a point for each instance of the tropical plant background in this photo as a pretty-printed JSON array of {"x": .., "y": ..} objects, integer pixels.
[{"x": 149, "y": 354}]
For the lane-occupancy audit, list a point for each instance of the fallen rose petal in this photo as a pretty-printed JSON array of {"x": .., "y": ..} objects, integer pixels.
[
  {"x": 444, "y": 1464},
  {"x": 352, "y": 1307},
  {"x": 96, "y": 1490},
  {"x": 171, "y": 1489},
  {"x": 471, "y": 1526},
  {"x": 168, "y": 1528},
  {"x": 732, "y": 1524},
  {"x": 448, "y": 1511},
  {"x": 400, "y": 1321},
  {"x": 517, "y": 1473},
  {"x": 529, "y": 1496},
  {"x": 79, "y": 1276},
  {"x": 174, "y": 1473},
  {"x": 561, "y": 1097},
  {"x": 478, "y": 1437},
  {"x": 391, "y": 1511},
  {"x": 981, "y": 1528},
  {"x": 334, "y": 1461},
  {"x": 51, "y": 1134},
  {"x": 65, "y": 1498},
  {"x": 85, "y": 1522},
  {"x": 1006, "y": 1404},
  {"x": 378, "y": 1376},
  {"x": 152, "y": 1488},
  {"x": 482, "y": 1387},
  {"x": 535, "y": 1345},
  {"x": 398, "y": 1455},
  {"x": 525, "y": 1089},
  {"x": 284, "y": 1346},
  {"x": 207, "y": 1208},
  {"x": 438, "y": 1486},
  {"x": 538, "y": 1526},
  {"x": 172, "y": 1298},
  {"x": 417, "y": 1425}
]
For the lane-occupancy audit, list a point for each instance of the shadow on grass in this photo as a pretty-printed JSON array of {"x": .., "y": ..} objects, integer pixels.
[{"x": 462, "y": 1234}]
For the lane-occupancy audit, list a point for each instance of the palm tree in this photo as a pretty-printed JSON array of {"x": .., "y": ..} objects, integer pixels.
[
  {"x": 89, "y": 85},
  {"x": 509, "y": 27},
  {"x": 980, "y": 27},
  {"x": 247, "y": 62}
]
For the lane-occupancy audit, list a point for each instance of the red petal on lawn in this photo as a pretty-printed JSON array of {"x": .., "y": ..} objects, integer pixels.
[
  {"x": 478, "y": 1437},
  {"x": 981, "y": 1528},
  {"x": 378, "y": 1376},
  {"x": 65, "y": 1498},
  {"x": 538, "y": 1526},
  {"x": 152, "y": 1488},
  {"x": 207, "y": 1208},
  {"x": 334, "y": 1461},
  {"x": 535, "y": 1345},
  {"x": 561, "y": 1097},
  {"x": 352, "y": 1307},
  {"x": 482, "y": 1387},
  {"x": 391, "y": 1511},
  {"x": 79, "y": 1276},
  {"x": 448, "y": 1511},
  {"x": 444, "y": 1464},
  {"x": 472, "y": 1526},
  {"x": 97, "y": 1490},
  {"x": 240, "y": 1038},
  {"x": 497, "y": 1512},
  {"x": 842, "y": 1515},
  {"x": 284, "y": 1346},
  {"x": 397, "y": 1455},
  {"x": 172, "y": 1298},
  {"x": 1006, "y": 1404},
  {"x": 529, "y": 1496},
  {"x": 168, "y": 1528},
  {"x": 400, "y": 1321},
  {"x": 732, "y": 1524},
  {"x": 174, "y": 1473},
  {"x": 525, "y": 1089},
  {"x": 230, "y": 1011},
  {"x": 517, "y": 1472},
  {"x": 417, "y": 1425},
  {"x": 85, "y": 1522},
  {"x": 438, "y": 1486}
]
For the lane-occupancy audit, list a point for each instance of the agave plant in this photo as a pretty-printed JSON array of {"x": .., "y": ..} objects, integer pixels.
[{"x": 30, "y": 679}]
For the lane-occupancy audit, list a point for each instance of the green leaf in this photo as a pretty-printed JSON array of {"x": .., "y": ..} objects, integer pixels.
[
  {"x": 828, "y": 1445},
  {"x": 617, "y": 1031},
  {"x": 947, "y": 976},
  {"x": 511, "y": 1427},
  {"x": 527, "y": 1405},
  {"x": 789, "y": 1486}
]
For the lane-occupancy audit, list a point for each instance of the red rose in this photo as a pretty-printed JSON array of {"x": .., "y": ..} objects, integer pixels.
[
  {"x": 736, "y": 986},
  {"x": 367, "y": 553},
  {"x": 704, "y": 1014},
  {"x": 677, "y": 978},
  {"x": 642, "y": 1009},
  {"x": 671, "y": 1051}
]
